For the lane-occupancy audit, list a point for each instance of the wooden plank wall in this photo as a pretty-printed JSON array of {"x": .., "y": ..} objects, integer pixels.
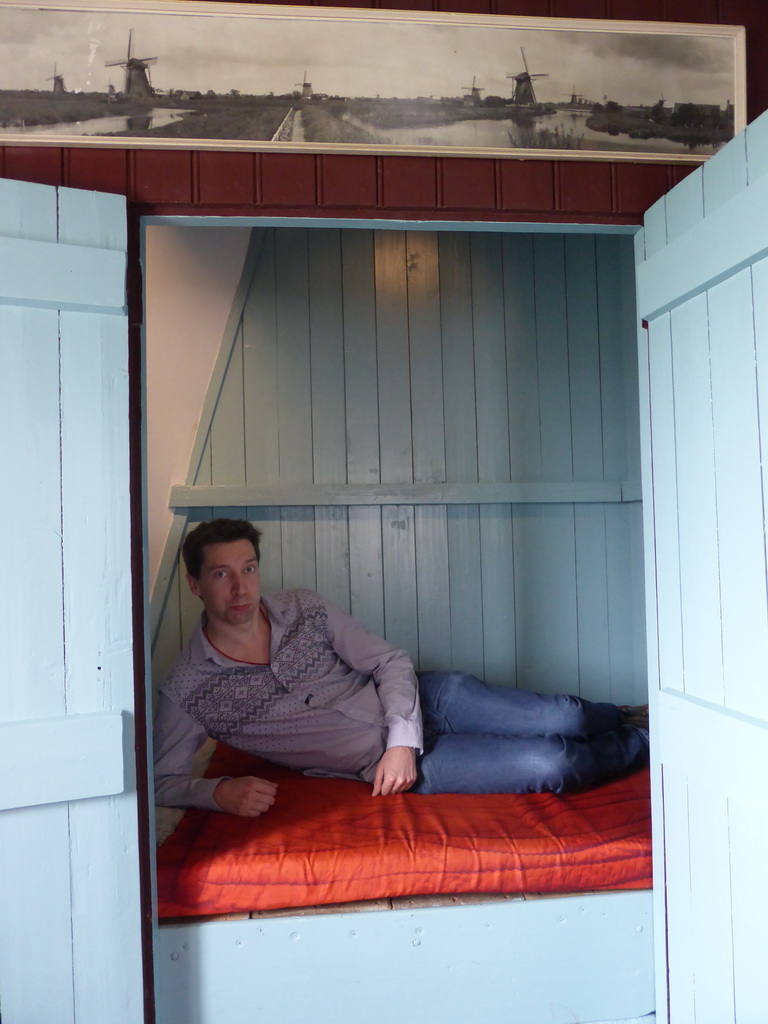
[
  {"x": 391, "y": 357},
  {"x": 704, "y": 436},
  {"x": 68, "y": 830}
]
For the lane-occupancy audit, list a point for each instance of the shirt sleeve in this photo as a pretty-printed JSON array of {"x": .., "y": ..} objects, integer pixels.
[
  {"x": 392, "y": 671},
  {"x": 177, "y": 737}
]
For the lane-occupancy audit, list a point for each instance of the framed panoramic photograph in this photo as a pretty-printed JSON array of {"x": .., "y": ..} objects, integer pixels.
[{"x": 310, "y": 79}]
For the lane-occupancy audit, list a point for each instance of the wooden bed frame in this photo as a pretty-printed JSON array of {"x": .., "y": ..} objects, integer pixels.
[{"x": 501, "y": 960}]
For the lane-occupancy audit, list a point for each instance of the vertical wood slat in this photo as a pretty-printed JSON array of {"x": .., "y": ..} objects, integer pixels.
[
  {"x": 697, "y": 503},
  {"x": 522, "y": 357},
  {"x": 427, "y": 409},
  {"x": 294, "y": 391},
  {"x": 393, "y": 358},
  {"x": 740, "y": 512},
  {"x": 262, "y": 451},
  {"x": 552, "y": 333},
  {"x": 360, "y": 370},
  {"x": 491, "y": 404},
  {"x": 459, "y": 386},
  {"x": 666, "y": 551}
]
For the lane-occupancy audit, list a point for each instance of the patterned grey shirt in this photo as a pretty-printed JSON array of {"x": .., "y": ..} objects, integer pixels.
[{"x": 332, "y": 699}]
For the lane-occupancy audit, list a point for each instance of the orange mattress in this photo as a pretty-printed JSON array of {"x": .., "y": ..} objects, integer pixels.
[{"x": 329, "y": 841}]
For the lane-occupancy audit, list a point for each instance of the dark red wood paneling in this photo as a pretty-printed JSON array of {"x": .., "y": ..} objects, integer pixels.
[
  {"x": 638, "y": 10},
  {"x": 585, "y": 184},
  {"x": 408, "y": 182},
  {"x": 527, "y": 185},
  {"x": 468, "y": 184},
  {"x": 523, "y": 8},
  {"x": 162, "y": 176},
  {"x": 754, "y": 15},
  {"x": 102, "y": 170},
  {"x": 41, "y": 164},
  {"x": 226, "y": 177},
  {"x": 288, "y": 179},
  {"x": 638, "y": 186},
  {"x": 348, "y": 181},
  {"x": 701, "y": 11},
  {"x": 581, "y": 9}
]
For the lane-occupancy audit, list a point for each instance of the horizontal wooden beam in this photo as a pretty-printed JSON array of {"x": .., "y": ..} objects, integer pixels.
[
  {"x": 70, "y": 757},
  {"x": 54, "y": 275},
  {"x": 189, "y": 496}
]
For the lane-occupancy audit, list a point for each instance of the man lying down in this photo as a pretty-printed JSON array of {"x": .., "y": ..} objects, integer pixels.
[{"x": 292, "y": 678}]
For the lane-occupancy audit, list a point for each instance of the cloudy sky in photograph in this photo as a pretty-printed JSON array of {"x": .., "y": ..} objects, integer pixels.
[{"x": 353, "y": 56}]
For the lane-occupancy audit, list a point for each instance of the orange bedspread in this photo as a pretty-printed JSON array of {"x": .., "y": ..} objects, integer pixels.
[{"x": 329, "y": 841}]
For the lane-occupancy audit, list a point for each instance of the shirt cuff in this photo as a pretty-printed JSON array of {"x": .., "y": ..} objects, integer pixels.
[{"x": 402, "y": 733}]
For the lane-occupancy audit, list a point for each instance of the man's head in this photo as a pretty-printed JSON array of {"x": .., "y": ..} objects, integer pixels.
[
  {"x": 218, "y": 531},
  {"x": 222, "y": 559}
]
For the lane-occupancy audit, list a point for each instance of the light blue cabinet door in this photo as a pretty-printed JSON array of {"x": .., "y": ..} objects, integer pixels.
[
  {"x": 70, "y": 946},
  {"x": 702, "y": 274}
]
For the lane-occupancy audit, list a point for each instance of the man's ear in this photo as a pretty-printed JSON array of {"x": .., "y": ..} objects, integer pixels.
[{"x": 194, "y": 586}]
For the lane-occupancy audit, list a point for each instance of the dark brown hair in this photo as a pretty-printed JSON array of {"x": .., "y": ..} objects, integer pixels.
[{"x": 218, "y": 531}]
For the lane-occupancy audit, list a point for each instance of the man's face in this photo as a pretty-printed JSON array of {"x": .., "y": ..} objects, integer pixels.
[{"x": 229, "y": 584}]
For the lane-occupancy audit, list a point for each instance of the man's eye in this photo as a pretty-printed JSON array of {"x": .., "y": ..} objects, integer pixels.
[
  {"x": 250, "y": 568},
  {"x": 219, "y": 575}
]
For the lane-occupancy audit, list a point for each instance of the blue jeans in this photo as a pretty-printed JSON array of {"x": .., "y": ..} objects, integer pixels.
[{"x": 480, "y": 738}]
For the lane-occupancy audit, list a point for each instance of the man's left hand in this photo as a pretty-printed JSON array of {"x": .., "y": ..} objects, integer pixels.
[{"x": 395, "y": 772}]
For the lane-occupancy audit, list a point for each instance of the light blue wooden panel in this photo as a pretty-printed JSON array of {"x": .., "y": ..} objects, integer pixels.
[
  {"x": 29, "y": 393},
  {"x": 454, "y": 964},
  {"x": 360, "y": 372},
  {"x": 260, "y": 371},
  {"x": 749, "y": 894},
  {"x": 75, "y": 864},
  {"x": 491, "y": 399},
  {"x": 85, "y": 216},
  {"x": 64, "y": 758},
  {"x": 584, "y": 363},
  {"x": 692, "y": 262},
  {"x": 663, "y": 540},
  {"x": 427, "y": 411},
  {"x": 430, "y": 524},
  {"x": 740, "y": 513},
  {"x": 366, "y": 569},
  {"x": 545, "y": 599},
  {"x": 522, "y": 368},
  {"x": 687, "y": 210},
  {"x": 725, "y": 174},
  {"x": 592, "y": 603},
  {"x": 77, "y": 276},
  {"x": 498, "y": 590},
  {"x": 332, "y": 553},
  {"x": 552, "y": 350},
  {"x": 393, "y": 357},
  {"x": 294, "y": 389},
  {"x": 464, "y": 560},
  {"x": 759, "y": 695},
  {"x": 28, "y": 210},
  {"x": 757, "y": 148},
  {"x": 329, "y": 463},
  {"x": 459, "y": 388},
  {"x": 399, "y": 563},
  {"x": 697, "y": 502}
]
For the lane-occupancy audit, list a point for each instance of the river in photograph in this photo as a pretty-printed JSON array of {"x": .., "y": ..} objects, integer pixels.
[
  {"x": 488, "y": 134},
  {"x": 158, "y": 117}
]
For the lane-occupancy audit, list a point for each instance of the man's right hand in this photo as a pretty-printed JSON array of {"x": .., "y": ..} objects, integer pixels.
[{"x": 247, "y": 796}]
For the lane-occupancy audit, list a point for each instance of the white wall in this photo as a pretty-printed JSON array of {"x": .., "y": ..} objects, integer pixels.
[{"x": 191, "y": 275}]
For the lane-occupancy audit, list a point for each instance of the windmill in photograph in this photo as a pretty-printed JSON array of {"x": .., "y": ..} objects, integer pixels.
[
  {"x": 58, "y": 83},
  {"x": 524, "y": 95},
  {"x": 306, "y": 87},
  {"x": 473, "y": 96},
  {"x": 138, "y": 83}
]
